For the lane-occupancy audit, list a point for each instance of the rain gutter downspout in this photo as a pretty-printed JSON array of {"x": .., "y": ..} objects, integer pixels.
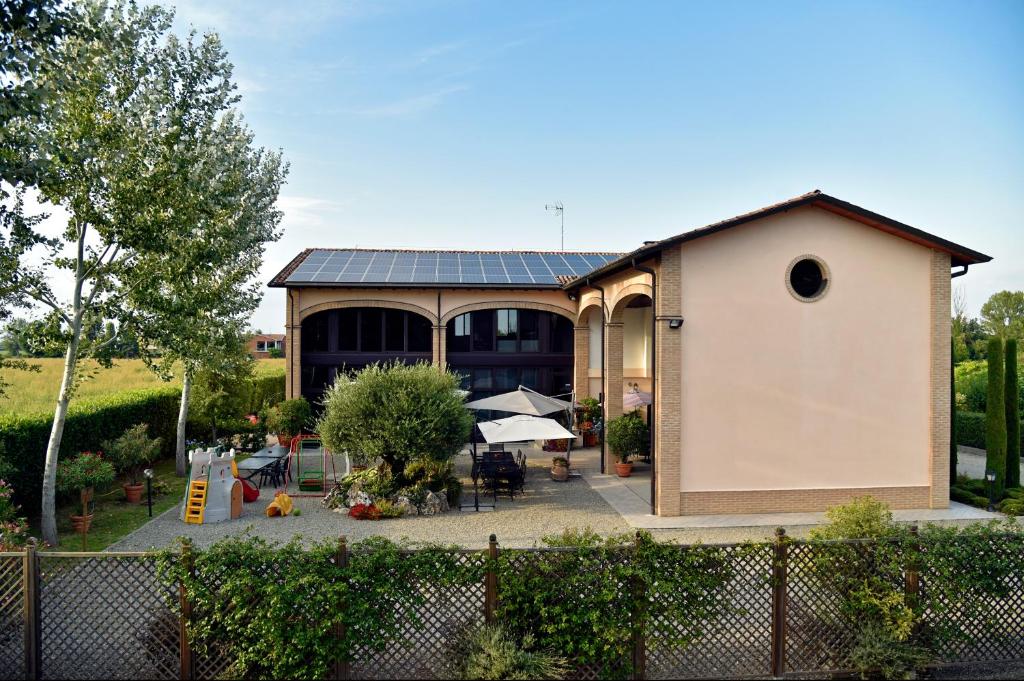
[
  {"x": 954, "y": 275},
  {"x": 604, "y": 411},
  {"x": 291, "y": 341},
  {"x": 654, "y": 374}
]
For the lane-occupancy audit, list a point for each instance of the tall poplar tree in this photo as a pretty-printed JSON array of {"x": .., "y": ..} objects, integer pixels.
[
  {"x": 1012, "y": 393},
  {"x": 995, "y": 417}
]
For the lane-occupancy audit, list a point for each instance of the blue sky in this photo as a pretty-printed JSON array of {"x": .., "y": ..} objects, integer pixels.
[{"x": 451, "y": 124}]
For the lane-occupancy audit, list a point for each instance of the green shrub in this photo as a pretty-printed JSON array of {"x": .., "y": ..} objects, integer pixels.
[
  {"x": 490, "y": 652},
  {"x": 88, "y": 469},
  {"x": 23, "y": 437},
  {"x": 627, "y": 436},
  {"x": 289, "y": 417},
  {"x": 266, "y": 390},
  {"x": 966, "y": 496},
  {"x": 995, "y": 416},
  {"x": 1011, "y": 506},
  {"x": 13, "y": 526},
  {"x": 974, "y": 486},
  {"x": 132, "y": 452},
  {"x": 970, "y": 429},
  {"x": 863, "y": 518},
  {"x": 1012, "y": 398}
]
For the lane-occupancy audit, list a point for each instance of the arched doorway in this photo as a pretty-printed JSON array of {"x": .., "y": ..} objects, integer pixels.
[
  {"x": 497, "y": 350},
  {"x": 350, "y": 338}
]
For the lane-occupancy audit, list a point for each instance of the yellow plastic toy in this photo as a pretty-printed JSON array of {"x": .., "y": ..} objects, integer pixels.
[{"x": 280, "y": 506}]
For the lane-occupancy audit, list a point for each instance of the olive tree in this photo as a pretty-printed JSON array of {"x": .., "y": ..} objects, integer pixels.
[{"x": 397, "y": 413}]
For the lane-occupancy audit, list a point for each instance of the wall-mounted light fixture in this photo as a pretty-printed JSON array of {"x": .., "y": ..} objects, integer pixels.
[
  {"x": 572, "y": 296},
  {"x": 675, "y": 323}
]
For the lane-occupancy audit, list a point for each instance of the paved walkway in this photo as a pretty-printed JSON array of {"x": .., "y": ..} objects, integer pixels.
[
  {"x": 970, "y": 461},
  {"x": 631, "y": 498}
]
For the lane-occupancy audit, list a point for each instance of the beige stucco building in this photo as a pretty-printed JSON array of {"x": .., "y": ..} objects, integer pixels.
[{"x": 796, "y": 356}]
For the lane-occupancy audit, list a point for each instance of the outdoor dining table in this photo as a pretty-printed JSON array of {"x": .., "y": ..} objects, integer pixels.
[{"x": 255, "y": 464}]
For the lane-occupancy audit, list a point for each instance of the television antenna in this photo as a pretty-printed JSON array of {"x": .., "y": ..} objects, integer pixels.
[{"x": 559, "y": 210}]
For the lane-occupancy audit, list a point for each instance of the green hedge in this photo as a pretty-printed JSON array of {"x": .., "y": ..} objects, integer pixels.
[
  {"x": 970, "y": 429},
  {"x": 23, "y": 438},
  {"x": 267, "y": 390}
]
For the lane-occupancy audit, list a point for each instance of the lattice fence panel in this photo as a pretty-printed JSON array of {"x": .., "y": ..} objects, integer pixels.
[
  {"x": 428, "y": 625},
  {"x": 983, "y": 623},
  {"x": 105, "y": 617},
  {"x": 734, "y": 643},
  {"x": 820, "y": 634},
  {"x": 12, "y": 612},
  {"x": 584, "y": 574}
]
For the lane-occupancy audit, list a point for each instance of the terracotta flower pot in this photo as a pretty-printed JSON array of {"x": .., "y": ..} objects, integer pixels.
[
  {"x": 358, "y": 468},
  {"x": 132, "y": 493},
  {"x": 589, "y": 439},
  {"x": 81, "y": 523},
  {"x": 284, "y": 440},
  {"x": 624, "y": 470},
  {"x": 560, "y": 473}
]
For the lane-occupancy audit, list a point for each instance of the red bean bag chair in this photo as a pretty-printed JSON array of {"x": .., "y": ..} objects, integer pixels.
[{"x": 250, "y": 492}]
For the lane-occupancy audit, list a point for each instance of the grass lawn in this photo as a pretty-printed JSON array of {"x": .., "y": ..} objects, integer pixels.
[
  {"x": 113, "y": 518},
  {"x": 33, "y": 392}
]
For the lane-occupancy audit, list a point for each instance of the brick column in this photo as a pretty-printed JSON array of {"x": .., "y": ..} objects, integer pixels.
[
  {"x": 293, "y": 348},
  {"x": 438, "y": 347},
  {"x": 613, "y": 378},
  {"x": 940, "y": 331},
  {"x": 581, "y": 360},
  {"x": 669, "y": 385}
]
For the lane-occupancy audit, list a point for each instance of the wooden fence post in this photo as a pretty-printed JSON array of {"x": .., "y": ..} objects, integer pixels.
[
  {"x": 912, "y": 575},
  {"x": 491, "y": 581},
  {"x": 640, "y": 613},
  {"x": 342, "y": 668},
  {"x": 780, "y": 573},
  {"x": 33, "y": 623},
  {"x": 187, "y": 669}
]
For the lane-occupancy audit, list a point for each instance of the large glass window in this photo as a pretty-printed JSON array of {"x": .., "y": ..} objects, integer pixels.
[
  {"x": 315, "y": 334},
  {"x": 370, "y": 332},
  {"x": 482, "y": 328},
  {"x": 508, "y": 330},
  {"x": 529, "y": 331},
  {"x": 394, "y": 331},
  {"x": 421, "y": 333},
  {"x": 348, "y": 330},
  {"x": 561, "y": 334},
  {"x": 458, "y": 334}
]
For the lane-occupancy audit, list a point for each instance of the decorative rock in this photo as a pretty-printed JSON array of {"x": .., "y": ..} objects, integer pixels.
[
  {"x": 358, "y": 497},
  {"x": 334, "y": 499},
  {"x": 407, "y": 507},
  {"x": 434, "y": 504}
]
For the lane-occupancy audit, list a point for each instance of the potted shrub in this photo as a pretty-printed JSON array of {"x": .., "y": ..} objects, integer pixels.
[
  {"x": 589, "y": 413},
  {"x": 627, "y": 437},
  {"x": 131, "y": 453},
  {"x": 81, "y": 474},
  {"x": 287, "y": 419},
  {"x": 560, "y": 468}
]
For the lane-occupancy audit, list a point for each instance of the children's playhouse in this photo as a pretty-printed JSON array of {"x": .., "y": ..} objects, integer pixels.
[{"x": 214, "y": 490}]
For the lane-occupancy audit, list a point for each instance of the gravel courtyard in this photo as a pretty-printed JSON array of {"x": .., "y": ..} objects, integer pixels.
[{"x": 547, "y": 507}]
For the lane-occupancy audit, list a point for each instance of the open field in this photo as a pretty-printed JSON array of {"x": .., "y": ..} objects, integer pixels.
[{"x": 32, "y": 392}]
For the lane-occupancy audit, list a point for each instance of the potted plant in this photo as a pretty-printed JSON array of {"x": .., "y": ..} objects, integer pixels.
[
  {"x": 627, "y": 437},
  {"x": 560, "y": 468},
  {"x": 287, "y": 419},
  {"x": 131, "y": 453},
  {"x": 81, "y": 474},
  {"x": 589, "y": 413}
]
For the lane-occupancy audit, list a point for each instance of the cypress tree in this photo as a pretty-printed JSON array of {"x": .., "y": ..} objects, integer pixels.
[
  {"x": 995, "y": 417},
  {"x": 1012, "y": 415},
  {"x": 952, "y": 413}
]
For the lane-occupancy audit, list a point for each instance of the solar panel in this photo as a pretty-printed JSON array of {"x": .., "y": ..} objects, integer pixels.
[{"x": 442, "y": 267}]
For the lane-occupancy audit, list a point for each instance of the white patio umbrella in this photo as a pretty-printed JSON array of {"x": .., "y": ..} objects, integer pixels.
[
  {"x": 523, "y": 427},
  {"x": 633, "y": 400},
  {"x": 521, "y": 401}
]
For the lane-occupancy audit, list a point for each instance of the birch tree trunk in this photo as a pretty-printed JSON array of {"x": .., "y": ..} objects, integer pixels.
[
  {"x": 180, "y": 455},
  {"x": 49, "y": 510},
  {"x": 67, "y": 383}
]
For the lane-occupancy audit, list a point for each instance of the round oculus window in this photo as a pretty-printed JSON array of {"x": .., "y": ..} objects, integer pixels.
[{"x": 807, "y": 278}]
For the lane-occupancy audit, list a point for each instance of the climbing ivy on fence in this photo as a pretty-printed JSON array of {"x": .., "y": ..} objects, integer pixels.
[
  {"x": 288, "y": 611},
  {"x": 589, "y": 597}
]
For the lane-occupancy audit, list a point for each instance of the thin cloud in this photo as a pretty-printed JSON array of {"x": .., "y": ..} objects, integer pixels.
[{"x": 411, "y": 106}]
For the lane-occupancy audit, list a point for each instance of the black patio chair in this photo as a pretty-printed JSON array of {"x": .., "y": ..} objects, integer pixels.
[
  {"x": 498, "y": 470},
  {"x": 274, "y": 472}
]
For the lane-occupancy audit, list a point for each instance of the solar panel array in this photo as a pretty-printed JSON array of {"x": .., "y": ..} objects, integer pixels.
[{"x": 438, "y": 267}]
